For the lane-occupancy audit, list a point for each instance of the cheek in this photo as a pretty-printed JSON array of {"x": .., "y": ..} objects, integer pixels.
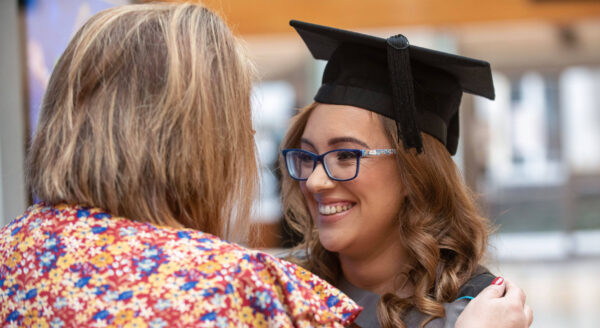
[
  {"x": 383, "y": 175},
  {"x": 307, "y": 196},
  {"x": 382, "y": 187},
  {"x": 303, "y": 190}
]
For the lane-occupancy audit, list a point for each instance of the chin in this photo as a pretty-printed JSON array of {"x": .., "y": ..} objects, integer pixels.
[{"x": 331, "y": 242}]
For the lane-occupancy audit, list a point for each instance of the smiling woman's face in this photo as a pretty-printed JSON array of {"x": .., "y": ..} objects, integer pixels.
[{"x": 366, "y": 208}]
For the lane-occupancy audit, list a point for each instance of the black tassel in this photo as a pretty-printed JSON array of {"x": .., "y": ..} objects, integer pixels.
[{"x": 403, "y": 96}]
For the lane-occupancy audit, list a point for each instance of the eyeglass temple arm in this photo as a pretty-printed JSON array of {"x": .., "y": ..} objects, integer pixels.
[{"x": 377, "y": 152}]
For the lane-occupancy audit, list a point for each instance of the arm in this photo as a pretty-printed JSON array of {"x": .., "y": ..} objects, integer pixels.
[{"x": 491, "y": 309}]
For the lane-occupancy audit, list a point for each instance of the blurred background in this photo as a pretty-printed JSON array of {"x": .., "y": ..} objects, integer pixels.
[{"x": 532, "y": 155}]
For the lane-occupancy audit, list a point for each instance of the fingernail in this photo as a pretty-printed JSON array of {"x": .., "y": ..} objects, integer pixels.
[{"x": 498, "y": 281}]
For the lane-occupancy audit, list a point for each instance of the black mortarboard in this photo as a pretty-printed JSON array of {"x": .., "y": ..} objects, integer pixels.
[{"x": 419, "y": 88}]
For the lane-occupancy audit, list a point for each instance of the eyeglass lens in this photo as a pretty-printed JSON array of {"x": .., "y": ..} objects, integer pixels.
[{"x": 339, "y": 164}]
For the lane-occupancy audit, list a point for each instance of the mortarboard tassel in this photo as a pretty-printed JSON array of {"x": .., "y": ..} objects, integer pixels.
[{"x": 403, "y": 97}]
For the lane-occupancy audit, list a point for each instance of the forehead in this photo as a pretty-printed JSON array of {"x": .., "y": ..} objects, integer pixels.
[{"x": 333, "y": 121}]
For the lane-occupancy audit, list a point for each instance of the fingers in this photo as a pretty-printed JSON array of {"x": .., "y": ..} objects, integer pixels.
[
  {"x": 515, "y": 296},
  {"x": 528, "y": 315},
  {"x": 501, "y": 304},
  {"x": 494, "y": 290},
  {"x": 513, "y": 292}
]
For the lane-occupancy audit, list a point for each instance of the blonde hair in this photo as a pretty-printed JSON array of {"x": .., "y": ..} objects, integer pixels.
[
  {"x": 147, "y": 115},
  {"x": 439, "y": 224}
]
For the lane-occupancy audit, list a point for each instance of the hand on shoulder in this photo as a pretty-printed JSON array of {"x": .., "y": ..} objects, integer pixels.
[{"x": 500, "y": 305}]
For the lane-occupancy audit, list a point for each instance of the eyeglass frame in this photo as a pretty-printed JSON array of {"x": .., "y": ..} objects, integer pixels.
[{"x": 320, "y": 158}]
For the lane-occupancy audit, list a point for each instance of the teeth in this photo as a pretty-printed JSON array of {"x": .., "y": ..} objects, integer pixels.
[{"x": 333, "y": 209}]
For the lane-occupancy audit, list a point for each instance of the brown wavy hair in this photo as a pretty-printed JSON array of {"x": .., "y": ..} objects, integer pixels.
[
  {"x": 439, "y": 225},
  {"x": 147, "y": 116}
]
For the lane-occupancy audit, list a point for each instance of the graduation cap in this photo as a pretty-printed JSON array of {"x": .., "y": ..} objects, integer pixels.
[{"x": 419, "y": 88}]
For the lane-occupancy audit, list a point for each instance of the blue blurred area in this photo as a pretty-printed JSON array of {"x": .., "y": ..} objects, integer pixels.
[{"x": 49, "y": 25}]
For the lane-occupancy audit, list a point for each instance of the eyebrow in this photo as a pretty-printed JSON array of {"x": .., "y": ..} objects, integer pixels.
[{"x": 337, "y": 140}]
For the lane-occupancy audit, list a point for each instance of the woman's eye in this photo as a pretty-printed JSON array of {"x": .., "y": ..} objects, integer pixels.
[
  {"x": 305, "y": 158},
  {"x": 345, "y": 155}
]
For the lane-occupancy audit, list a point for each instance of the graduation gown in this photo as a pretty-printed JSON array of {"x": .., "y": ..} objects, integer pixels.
[{"x": 368, "y": 300}]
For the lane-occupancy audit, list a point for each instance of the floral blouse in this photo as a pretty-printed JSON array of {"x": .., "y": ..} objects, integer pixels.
[{"x": 76, "y": 266}]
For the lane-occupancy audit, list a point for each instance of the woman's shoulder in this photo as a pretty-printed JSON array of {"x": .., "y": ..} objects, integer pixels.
[{"x": 480, "y": 279}]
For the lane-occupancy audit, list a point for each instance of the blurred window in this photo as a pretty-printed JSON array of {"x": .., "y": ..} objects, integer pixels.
[{"x": 542, "y": 140}]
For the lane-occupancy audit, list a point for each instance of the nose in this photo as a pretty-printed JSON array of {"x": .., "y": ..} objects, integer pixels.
[{"x": 318, "y": 180}]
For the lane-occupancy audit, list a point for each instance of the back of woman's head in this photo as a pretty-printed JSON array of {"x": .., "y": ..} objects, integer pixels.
[{"x": 147, "y": 115}]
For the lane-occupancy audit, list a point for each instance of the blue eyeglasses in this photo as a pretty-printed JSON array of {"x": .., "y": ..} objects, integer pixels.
[{"x": 339, "y": 164}]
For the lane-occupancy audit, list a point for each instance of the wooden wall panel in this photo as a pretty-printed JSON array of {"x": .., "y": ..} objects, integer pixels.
[{"x": 272, "y": 16}]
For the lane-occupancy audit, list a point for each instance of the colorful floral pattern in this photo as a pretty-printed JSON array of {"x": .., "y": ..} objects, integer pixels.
[{"x": 67, "y": 265}]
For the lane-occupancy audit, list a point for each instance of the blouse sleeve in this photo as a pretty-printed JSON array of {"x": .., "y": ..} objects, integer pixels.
[{"x": 288, "y": 295}]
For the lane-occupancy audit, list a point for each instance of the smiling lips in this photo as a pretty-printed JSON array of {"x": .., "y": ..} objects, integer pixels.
[{"x": 331, "y": 209}]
